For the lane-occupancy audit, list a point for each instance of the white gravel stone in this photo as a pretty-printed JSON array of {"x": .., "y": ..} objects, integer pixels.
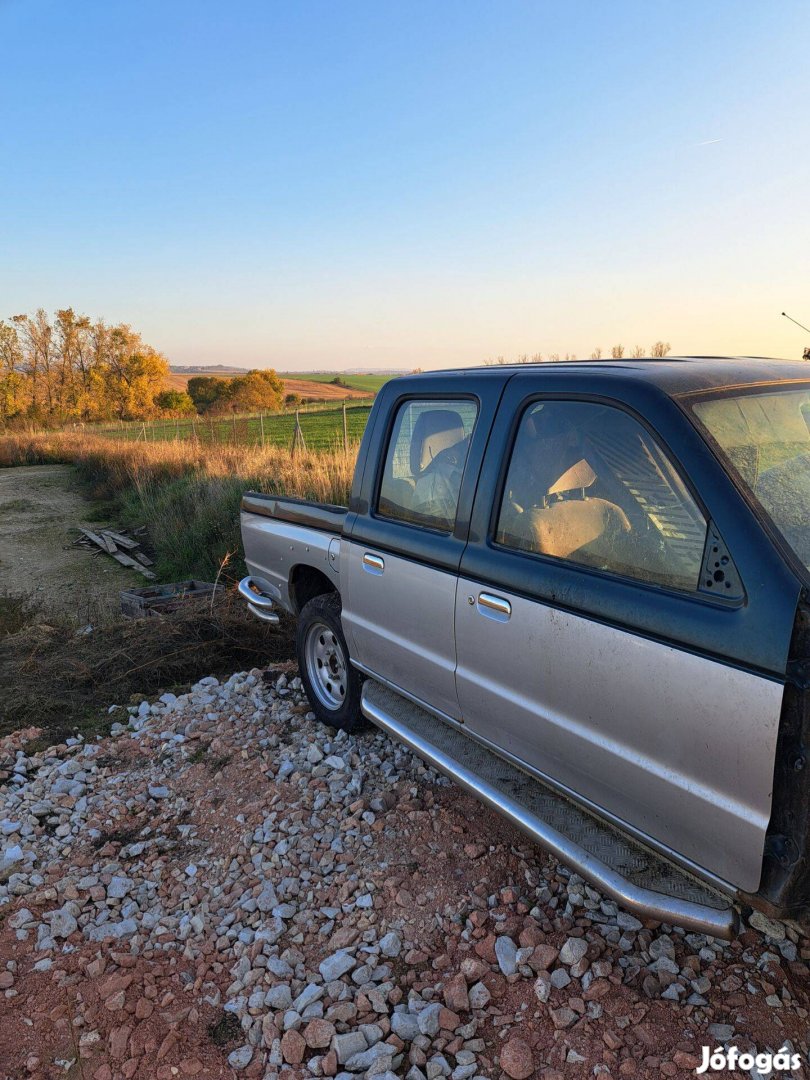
[
  {"x": 573, "y": 950},
  {"x": 506, "y": 954},
  {"x": 63, "y": 923},
  {"x": 336, "y": 965},
  {"x": 241, "y": 1058}
]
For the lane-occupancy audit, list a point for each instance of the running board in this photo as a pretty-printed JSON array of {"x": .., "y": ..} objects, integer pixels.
[{"x": 637, "y": 878}]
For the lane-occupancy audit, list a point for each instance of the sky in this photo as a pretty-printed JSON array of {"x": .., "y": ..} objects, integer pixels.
[{"x": 387, "y": 184}]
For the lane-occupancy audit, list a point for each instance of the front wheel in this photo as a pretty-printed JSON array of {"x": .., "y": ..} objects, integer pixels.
[{"x": 332, "y": 684}]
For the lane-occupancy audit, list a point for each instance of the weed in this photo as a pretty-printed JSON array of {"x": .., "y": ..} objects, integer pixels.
[
  {"x": 117, "y": 836},
  {"x": 199, "y": 754},
  {"x": 217, "y": 764},
  {"x": 50, "y": 683},
  {"x": 226, "y": 1029},
  {"x": 19, "y": 506},
  {"x": 15, "y": 613}
]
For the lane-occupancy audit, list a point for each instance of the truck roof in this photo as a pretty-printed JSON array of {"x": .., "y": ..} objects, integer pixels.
[{"x": 675, "y": 375}]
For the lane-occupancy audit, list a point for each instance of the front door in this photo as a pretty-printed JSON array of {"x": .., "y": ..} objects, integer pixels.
[{"x": 568, "y": 619}]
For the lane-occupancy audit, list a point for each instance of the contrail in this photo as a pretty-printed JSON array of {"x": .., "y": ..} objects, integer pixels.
[{"x": 708, "y": 142}]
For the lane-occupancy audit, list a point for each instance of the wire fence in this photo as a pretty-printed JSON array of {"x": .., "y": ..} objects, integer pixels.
[{"x": 311, "y": 429}]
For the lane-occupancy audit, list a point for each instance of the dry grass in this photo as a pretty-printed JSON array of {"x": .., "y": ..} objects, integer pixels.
[
  {"x": 316, "y": 475},
  {"x": 63, "y": 683},
  {"x": 187, "y": 495},
  {"x": 189, "y": 499}
]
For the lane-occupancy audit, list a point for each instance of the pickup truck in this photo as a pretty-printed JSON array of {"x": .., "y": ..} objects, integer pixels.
[{"x": 580, "y": 591}]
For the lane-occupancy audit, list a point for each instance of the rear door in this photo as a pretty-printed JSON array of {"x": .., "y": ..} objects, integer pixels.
[
  {"x": 404, "y": 545},
  {"x": 620, "y": 629}
]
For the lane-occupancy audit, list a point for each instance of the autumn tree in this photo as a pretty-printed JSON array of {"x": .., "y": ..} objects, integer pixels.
[
  {"x": 660, "y": 349},
  {"x": 175, "y": 403},
  {"x": 13, "y": 383},
  {"x": 75, "y": 368},
  {"x": 258, "y": 391},
  {"x": 206, "y": 390},
  {"x": 617, "y": 352},
  {"x": 131, "y": 375}
]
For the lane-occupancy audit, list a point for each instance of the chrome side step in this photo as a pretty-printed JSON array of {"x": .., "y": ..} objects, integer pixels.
[
  {"x": 259, "y": 604},
  {"x": 637, "y": 878}
]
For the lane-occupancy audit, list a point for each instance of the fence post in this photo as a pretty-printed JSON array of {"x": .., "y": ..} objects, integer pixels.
[
  {"x": 345, "y": 430},
  {"x": 261, "y": 426},
  {"x": 298, "y": 441}
]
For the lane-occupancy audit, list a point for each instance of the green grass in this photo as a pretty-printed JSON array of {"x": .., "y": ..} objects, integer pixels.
[
  {"x": 322, "y": 429},
  {"x": 371, "y": 383},
  {"x": 19, "y": 506}
]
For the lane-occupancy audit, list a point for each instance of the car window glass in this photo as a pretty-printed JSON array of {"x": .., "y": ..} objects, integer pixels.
[
  {"x": 425, "y": 462},
  {"x": 587, "y": 483},
  {"x": 765, "y": 439}
]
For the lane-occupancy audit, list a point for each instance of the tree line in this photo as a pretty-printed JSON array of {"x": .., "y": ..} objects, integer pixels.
[
  {"x": 73, "y": 368},
  {"x": 257, "y": 391},
  {"x": 617, "y": 352}
]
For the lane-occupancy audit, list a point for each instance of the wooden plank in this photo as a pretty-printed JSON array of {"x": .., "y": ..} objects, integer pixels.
[
  {"x": 125, "y": 560},
  {"x": 143, "y": 558},
  {"x": 102, "y": 541},
  {"x": 120, "y": 539}
]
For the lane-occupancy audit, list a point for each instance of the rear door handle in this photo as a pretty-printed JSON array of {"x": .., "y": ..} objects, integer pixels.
[
  {"x": 373, "y": 564},
  {"x": 494, "y": 607}
]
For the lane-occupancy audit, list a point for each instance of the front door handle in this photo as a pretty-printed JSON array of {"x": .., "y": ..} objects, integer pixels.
[
  {"x": 373, "y": 564},
  {"x": 494, "y": 607}
]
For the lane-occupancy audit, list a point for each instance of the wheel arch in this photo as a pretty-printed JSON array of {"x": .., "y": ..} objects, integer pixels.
[{"x": 307, "y": 582}]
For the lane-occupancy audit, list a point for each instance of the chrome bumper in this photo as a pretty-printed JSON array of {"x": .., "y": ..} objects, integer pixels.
[{"x": 259, "y": 604}]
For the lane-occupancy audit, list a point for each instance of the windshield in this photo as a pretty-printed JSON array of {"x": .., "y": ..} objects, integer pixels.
[{"x": 765, "y": 439}]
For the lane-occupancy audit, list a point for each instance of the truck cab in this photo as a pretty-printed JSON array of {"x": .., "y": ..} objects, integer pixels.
[{"x": 579, "y": 590}]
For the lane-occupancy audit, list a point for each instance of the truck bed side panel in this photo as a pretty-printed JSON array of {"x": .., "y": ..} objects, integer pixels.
[{"x": 273, "y": 548}]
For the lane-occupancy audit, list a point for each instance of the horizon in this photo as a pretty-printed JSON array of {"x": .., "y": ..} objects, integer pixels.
[{"x": 377, "y": 188}]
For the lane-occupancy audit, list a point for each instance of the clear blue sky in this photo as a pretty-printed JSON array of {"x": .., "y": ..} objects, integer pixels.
[{"x": 399, "y": 184}]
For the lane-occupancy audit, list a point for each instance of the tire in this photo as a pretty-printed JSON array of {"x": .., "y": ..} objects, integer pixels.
[{"x": 331, "y": 683}]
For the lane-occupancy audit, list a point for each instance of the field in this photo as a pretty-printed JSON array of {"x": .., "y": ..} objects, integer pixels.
[
  {"x": 314, "y": 385},
  {"x": 321, "y": 428},
  {"x": 368, "y": 384}
]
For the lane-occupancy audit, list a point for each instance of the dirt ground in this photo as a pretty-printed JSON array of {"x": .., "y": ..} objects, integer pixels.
[
  {"x": 188, "y": 882},
  {"x": 41, "y": 507}
]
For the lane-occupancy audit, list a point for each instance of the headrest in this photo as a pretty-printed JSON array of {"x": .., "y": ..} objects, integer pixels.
[
  {"x": 580, "y": 475},
  {"x": 433, "y": 432}
]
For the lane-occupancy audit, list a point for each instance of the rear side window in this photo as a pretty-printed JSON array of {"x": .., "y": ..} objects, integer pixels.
[
  {"x": 588, "y": 484},
  {"x": 425, "y": 462}
]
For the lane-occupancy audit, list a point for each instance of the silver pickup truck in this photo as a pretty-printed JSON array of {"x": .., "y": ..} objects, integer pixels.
[{"x": 580, "y": 591}]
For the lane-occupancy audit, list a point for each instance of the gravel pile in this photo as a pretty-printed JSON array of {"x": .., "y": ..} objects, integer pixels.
[{"x": 224, "y": 887}]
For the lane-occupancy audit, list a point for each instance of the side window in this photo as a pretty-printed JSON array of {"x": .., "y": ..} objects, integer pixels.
[
  {"x": 588, "y": 484},
  {"x": 425, "y": 462}
]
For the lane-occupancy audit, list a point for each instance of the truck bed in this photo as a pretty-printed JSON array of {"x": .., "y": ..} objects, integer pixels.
[{"x": 314, "y": 515}]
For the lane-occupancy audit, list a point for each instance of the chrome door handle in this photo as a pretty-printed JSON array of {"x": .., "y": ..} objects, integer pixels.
[
  {"x": 373, "y": 563},
  {"x": 494, "y": 607}
]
